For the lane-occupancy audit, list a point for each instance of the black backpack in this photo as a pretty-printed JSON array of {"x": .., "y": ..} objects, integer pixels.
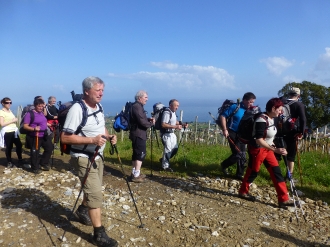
[
  {"x": 225, "y": 105},
  {"x": 158, "y": 110},
  {"x": 286, "y": 123},
  {"x": 123, "y": 119},
  {"x": 63, "y": 111},
  {"x": 245, "y": 127},
  {"x": 21, "y": 125}
]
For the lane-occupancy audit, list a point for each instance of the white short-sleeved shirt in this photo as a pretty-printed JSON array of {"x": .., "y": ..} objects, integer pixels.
[
  {"x": 271, "y": 129},
  {"x": 95, "y": 125},
  {"x": 166, "y": 118}
]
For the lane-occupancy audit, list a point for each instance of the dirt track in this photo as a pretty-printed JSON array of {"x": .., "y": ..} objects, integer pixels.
[{"x": 175, "y": 212}]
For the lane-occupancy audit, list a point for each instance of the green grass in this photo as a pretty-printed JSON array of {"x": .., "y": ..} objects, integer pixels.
[{"x": 205, "y": 159}]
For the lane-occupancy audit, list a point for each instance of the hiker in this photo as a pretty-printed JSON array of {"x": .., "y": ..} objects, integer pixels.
[
  {"x": 169, "y": 139},
  {"x": 229, "y": 121},
  {"x": 9, "y": 133},
  {"x": 93, "y": 134},
  {"x": 297, "y": 112},
  {"x": 36, "y": 123},
  {"x": 138, "y": 135},
  {"x": 261, "y": 149},
  {"x": 52, "y": 120},
  {"x": 31, "y": 107}
]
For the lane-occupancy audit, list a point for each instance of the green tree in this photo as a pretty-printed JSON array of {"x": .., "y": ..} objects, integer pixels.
[{"x": 315, "y": 98}]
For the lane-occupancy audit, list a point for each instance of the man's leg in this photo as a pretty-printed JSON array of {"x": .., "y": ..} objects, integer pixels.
[
  {"x": 233, "y": 158},
  {"x": 139, "y": 153},
  {"x": 170, "y": 149}
]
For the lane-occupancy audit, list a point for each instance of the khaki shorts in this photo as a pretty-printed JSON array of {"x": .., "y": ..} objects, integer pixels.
[{"x": 93, "y": 185}]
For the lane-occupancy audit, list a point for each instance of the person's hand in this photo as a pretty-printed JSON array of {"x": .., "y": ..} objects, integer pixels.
[
  {"x": 298, "y": 136},
  {"x": 15, "y": 120},
  {"x": 225, "y": 133},
  {"x": 281, "y": 151},
  {"x": 179, "y": 126},
  {"x": 99, "y": 140},
  {"x": 37, "y": 128},
  {"x": 113, "y": 139},
  {"x": 151, "y": 120}
]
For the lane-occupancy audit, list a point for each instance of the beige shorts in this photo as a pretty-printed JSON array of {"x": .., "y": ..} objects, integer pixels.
[{"x": 93, "y": 185}]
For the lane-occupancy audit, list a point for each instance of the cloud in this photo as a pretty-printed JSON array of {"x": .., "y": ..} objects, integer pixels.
[
  {"x": 188, "y": 77},
  {"x": 276, "y": 65},
  {"x": 291, "y": 78},
  {"x": 323, "y": 63}
]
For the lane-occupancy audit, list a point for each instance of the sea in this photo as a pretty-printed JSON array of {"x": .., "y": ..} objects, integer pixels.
[{"x": 190, "y": 109}]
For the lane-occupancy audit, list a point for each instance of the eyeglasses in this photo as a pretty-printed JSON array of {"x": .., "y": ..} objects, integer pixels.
[{"x": 8, "y": 103}]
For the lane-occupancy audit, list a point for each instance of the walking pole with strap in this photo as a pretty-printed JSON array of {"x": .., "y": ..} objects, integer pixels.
[
  {"x": 114, "y": 149},
  {"x": 36, "y": 150},
  {"x": 151, "y": 141},
  {"x": 299, "y": 165},
  {"x": 83, "y": 182},
  {"x": 293, "y": 189},
  {"x": 184, "y": 153},
  {"x": 237, "y": 149}
]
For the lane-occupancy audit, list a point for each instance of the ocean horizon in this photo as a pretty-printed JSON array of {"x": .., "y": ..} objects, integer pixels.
[{"x": 191, "y": 108}]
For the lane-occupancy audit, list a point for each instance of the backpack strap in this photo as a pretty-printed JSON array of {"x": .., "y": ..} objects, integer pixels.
[
  {"x": 265, "y": 117},
  {"x": 84, "y": 120}
]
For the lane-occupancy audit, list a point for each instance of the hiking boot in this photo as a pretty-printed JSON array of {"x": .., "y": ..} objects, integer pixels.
[
  {"x": 46, "y": 167},
  {"x": 138, "y": 179},
  {"x": 10, "y": 165},
  {"x": 55, "y": 146},
  {"x": 224, "y": 170},
  {"x": 168, "y": 169},
  {"x": 286, "y": 204},
  {"x": 37, "y": 171},
  {"x": 83, "y": 216},
  {"x": 20, "y": 163},
  {"x": 101, "y": 239},
  {"x": 141, "y": 175},
  {"x": 247, "y": 197}
]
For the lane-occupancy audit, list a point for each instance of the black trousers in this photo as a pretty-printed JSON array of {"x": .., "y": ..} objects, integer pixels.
[
  {"x": 10, "y": 140},
  {"x": 35, "y": 159},
  {"x": 236, "y": 156}
]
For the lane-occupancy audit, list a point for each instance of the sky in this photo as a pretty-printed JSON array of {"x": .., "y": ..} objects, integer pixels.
[{"x": 199, "y": 52}]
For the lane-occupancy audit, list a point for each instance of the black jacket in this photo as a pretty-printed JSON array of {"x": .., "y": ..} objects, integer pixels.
[{"x": 139, "y": 122}]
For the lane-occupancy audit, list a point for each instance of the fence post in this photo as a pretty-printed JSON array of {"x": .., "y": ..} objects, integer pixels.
[
  {"x": 181, "y": 117},
  {"x": 208, "y": 133},
  {"x": 196, "y": 118}
]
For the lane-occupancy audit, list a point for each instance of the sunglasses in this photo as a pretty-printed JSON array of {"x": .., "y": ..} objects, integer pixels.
[{"x": 8, "y": 103}]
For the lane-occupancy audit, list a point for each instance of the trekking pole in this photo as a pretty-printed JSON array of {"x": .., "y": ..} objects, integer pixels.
[
  {"x": 293, "y": 189},
  {"x": 184, "y": 153},
  {"x": 237, "y": 149},
  {"x": 151, "y": 168},
  {"x": 90, "y": 163},
  {"x": 155, "y": 132},
  {"x": 299, "y": 165},
  {"x": 36, "y": 147},
  {"x": 129, "y": 188}
]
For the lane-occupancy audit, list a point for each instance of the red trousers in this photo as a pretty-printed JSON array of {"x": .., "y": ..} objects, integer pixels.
[{"x": 257, "y": 156}]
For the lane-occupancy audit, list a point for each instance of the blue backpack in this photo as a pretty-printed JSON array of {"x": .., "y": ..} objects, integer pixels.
[{"x": 123, "y": 119}]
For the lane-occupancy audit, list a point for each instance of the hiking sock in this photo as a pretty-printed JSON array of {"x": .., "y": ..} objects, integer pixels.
[
  {"x": 136, "y": 173},
  {"x": 133, "y": 170}
]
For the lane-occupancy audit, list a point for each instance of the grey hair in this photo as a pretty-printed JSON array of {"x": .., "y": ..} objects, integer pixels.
[
  {"x": 140, "y": 94},
  {"x": 89, "y": 82},
  {"x": 50, "y": 98}
]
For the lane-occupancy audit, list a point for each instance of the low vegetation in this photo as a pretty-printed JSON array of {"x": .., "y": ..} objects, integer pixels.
[{"x": 203, "y": 159}]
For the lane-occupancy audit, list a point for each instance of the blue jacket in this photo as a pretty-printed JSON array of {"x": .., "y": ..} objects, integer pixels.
[{"x": 233, "y": 122}]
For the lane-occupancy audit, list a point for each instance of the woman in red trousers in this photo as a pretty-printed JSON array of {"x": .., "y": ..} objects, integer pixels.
[{"x": 261, "y": 150}]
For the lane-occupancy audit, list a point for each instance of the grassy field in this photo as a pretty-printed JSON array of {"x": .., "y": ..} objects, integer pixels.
[{"x": 205, "y": 159}]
